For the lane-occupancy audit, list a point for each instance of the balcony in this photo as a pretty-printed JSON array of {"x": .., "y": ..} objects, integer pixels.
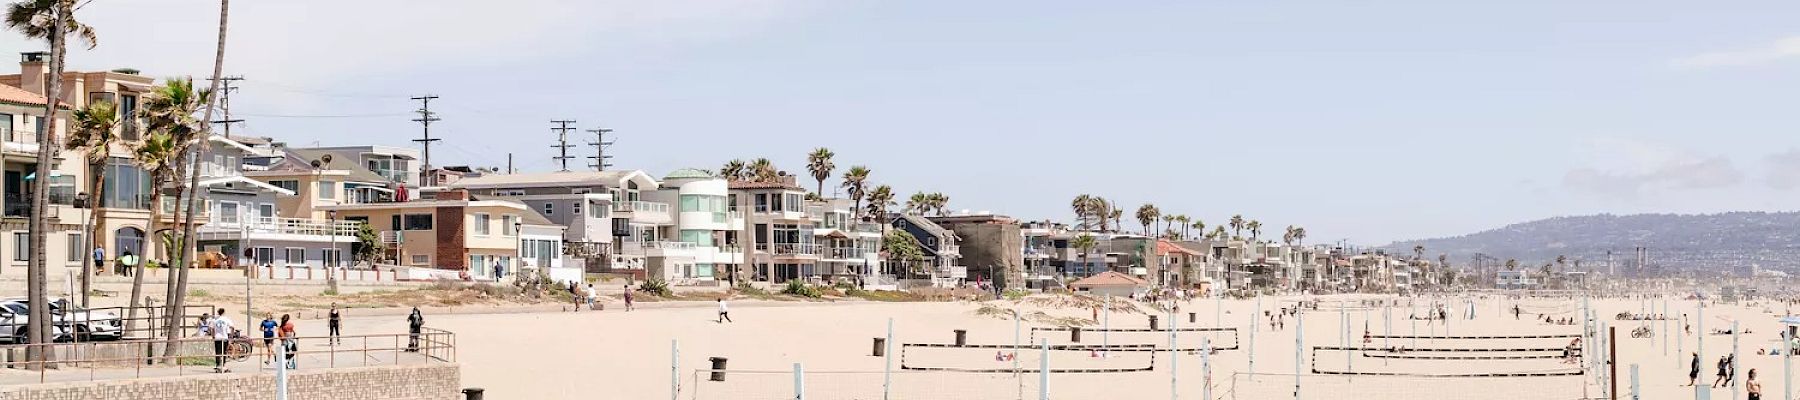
[
  {"x": 221, "y": 228},
  {"x": 847, "y": 253},
  {"x": 656, "y": 249},
  {"x": 644, "y": 211},
  {"x": 215, "y": 170},
  {"x": 19, "y": 204},
  {"x": 788, "y": 249}
]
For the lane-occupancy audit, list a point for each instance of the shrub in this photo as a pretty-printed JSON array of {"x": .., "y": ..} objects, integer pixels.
[
  {"x": 1015, "y": 294},
  {"x": 751, "y": 290},
  {"x": 198, "y": 293},
  {"x": 655, "y": 287},
  {"x": 798, "y": 288},
  {"x": 844, "y": 285},
  {"x": 329, "y": 292}
]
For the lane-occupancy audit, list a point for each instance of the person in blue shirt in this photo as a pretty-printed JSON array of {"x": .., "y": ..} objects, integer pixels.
[{"x": 268, "y": 332}]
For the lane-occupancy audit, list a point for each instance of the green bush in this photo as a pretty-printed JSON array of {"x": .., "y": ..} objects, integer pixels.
[
  {"x": 1015, "y": 294},
  {"x": 751, "y": 290},
  {"x": 198, "y": 293},
  {"x": 844, "y": 285},
  {"x": 655, "y": 287},
  {"x": 798, "y": 288}
]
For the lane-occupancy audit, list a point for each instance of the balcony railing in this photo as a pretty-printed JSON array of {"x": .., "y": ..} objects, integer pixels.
[
  {"x": 285, "y": 226},
  {"x": 209, "y": 169},
  {"x": 19, "y": 204},
  {"x": 788, "y": 249},
  {"x": 640, "y": 206},
  {"x": 847, "y": 253}
]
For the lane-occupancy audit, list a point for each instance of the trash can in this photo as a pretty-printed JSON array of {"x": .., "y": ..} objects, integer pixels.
[
  {"x": 1153, "y": 322},
  {"x": 880, "y": 347},
  {"x": 1074, "y": 334},
  {"x": 472, "y": 393},
  {"x": 718, "y": 369},
  {"x": 962, "y": 337},
  {"x": 1191, "y": 318}
]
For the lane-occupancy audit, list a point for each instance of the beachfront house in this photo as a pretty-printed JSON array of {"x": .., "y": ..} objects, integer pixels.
[
  {"x": 245, "y": 220},
  {"x": 943, "y": 254},
  {"x": 599, "y": 208},
  {"x": 449, "y": 231},
  {"x": 783, "y": 244}
]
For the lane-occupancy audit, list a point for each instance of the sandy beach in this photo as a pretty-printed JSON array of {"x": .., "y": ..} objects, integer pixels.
[{"x": 618, "y": 354}]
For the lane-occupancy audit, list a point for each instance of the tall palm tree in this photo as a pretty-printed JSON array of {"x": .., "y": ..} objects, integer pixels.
[
  {"x": 940, "y": 202},
  {"x": 880, "y": 199},
  {"x": 1237, "y": 225},
  {"x": 1085, "y": 243},
  {"x": 1287, "y": 237},
  {"x": 52, "y": 21},
  {"x": 1083, "y": 205},
  {"x": 735, "y": 170},
  {"x": 855, "y": 184},
  {"x": 917, "y": 203},
  {"x": 1199, "y": 226},
  {"x": 1168, "y": 221},
  {"x": 1255, "y": 228},
  {"x": 1116, "y": 214},
  {"x": 1300, "y": 235},
  {"x": 93, "y": 131},
  {"x": 1218, "y": 232},
  {"x": 1146, "y": 214},
  {"x": 763, "y": 170},
  {"x": 188, "y": 245},
  {"x": 1418, "y": 252},
  {"x": 819, "y": 164},
  {"x": 1181, "y": 220},
  {"x": 157, "y": 155},
  {"x": 170, "y": 109}
]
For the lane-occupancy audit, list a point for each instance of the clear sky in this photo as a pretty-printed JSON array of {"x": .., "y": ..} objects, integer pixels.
[{"x": 1371, "y": 121}]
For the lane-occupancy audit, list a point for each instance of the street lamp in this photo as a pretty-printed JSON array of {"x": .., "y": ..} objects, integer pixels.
[
  {"x": 518, "y": 246},
  {"x": 332, "y": 265}
]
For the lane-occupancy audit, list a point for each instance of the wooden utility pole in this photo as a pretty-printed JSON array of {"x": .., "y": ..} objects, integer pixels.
[
  {"x": 562, "y": 142},
  {"x": 426, "y": 117},
  {"x": 600, "y": 145}
]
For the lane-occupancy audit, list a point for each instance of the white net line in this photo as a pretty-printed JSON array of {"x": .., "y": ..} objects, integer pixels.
[{"x": 1261, "y": 386}]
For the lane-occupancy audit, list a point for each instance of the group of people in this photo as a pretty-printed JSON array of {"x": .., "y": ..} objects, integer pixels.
[
  {"x": 590, "y": 296},
  {"x": 1726, "y": 376}
]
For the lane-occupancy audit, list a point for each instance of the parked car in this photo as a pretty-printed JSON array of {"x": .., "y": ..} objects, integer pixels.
[
  {"x": 15, "y": 315},
  {"x": 88, "y": 324}
]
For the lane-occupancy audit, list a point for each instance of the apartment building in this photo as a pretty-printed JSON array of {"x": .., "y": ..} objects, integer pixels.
[
  {"x": 782, "y": 230},
  {"x": 375, "y": 173},
  {"x": 124, "y": 210},
  {"x": 450, "y": 231},
  {"x": 600, "y": 210},
  {"x": 246, "y": 217},
  {"x": 702, "y": 244},
  {"x": 21, "y": 123}
]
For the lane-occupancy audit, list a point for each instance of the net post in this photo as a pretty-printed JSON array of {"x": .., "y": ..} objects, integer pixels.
[
  {"x": 1612, "y": 362},
  {"x": 799, "y": 382},
  {"x": 674, "y": 369},
  {"x": 1253, "y": 329},
  {"x": 1635, "y": 390},
  {"x": 1174, "y": 379},
  {"x": 1732, "y": 379},
  {"x": 1044, "y": 370},
  {"x": 1700, "y": 392},
  {"x": 1020, "y": 381},
  {"x": 887, "y": 360},
  {"x": 1299, "y": 347},
  {"x": 1206, "y": 369}
]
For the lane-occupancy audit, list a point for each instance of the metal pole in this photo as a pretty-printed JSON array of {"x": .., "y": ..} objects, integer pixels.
[
  {"x": 674, "y": 369},
  {"x": 1787, "y": 369},
  {"x": 1174, "y": 381},
  {"x": 1344, "y": 323},
  {"x": 1635, "y": 390},
  {"x": 1015, "y": 357},
  {"x": 887, "y": 360},
  {"x": 1044, "y": 370},
  {"x": 1665, "y": 328},
  {"x": 1612, "y": 362},
  {"x": 1206, "y": 369},
  {"x": 1413, "y": 308},
  {"x": 1732, "y": 379},
  {"x": 1700, "y": 392},
  {"x": 281, "y": 375},
  {"x": 1253, "y": 329},
  {"x": 799, "y": 382},
  {"x": 1299, "y": 347}
]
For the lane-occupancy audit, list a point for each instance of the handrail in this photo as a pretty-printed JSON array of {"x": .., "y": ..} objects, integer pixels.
[{"x": 145, "y": 357}]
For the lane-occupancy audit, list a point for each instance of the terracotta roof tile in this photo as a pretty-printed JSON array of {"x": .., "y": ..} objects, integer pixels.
[{"x": 15, "y": 95}]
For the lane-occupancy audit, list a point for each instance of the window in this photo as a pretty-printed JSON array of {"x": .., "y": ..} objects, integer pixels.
[
  {"x": 77, "y": 248},
  {"x": 329, "y": 257},
  {"x": 418, "y": 222},
  {"x": 327, "y": 190},
  {"x": 296, "y": 256},
  {"x": 702, "y": 238},
  {"x": 597, "y": 212},
  {"x": 549, "y": 209},
  {"x": 62, "y": 189},
  {"x": 228, "y": 212},
  {"x": 127, "y": 186},
  {"x": 289, "y": 184},
  {"x": 793, "y": 203},
  {"x": 510, "y": 192},
  {"x": 421, "y": 259},
  {"x": 581, "y": 190},
  {"x": 264, "y": 255},
  {"x": 6, "y": 127},
  {"x": 575, "y": 208},
  {"x": 265, "y": 213},
  {"x": 507, "y": 226},
  {"x": 483, "y": 224},
  {"x": 21, "y": 244}
]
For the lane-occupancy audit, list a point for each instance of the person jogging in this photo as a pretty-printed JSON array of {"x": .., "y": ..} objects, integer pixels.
[
  {"x": 268, "y": 326},
  {"x": 336, "y": 322},
  {"x": 221, "y": 329},
  {"x": 290, "y": 342},
  {"x": 414, "y": 323}
]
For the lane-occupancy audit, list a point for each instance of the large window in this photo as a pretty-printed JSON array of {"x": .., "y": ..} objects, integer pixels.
[
  {"x": 77, "y": 247},
  {"x": 598, "y": 212},
  {"x": 127, "y": 186},
  {"x": 289, "y": 184},
  {"x": 418, "y": 222},
  {"x": 264, "y": 255},
  {"x": 421, "y": 259},
  {"x": 793, "y": 203},
  {"x": 329, "y": 257},
  {"x": 483, "y": 224},
  {"x": 21, "y": 246},
  {"x": 702, "y": 238},
  {"x": 507, "y": 225},
  {"x": 6, "y": 127},
  {"x": 296, "y": 256},
  {"x": 228, "y": 212},
  {"x": 62, "y": 189},
  {"x": 327, "y": 190}
]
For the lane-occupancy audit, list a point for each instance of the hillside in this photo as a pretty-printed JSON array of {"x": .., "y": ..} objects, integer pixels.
[{"x": 1732, "y": 241}]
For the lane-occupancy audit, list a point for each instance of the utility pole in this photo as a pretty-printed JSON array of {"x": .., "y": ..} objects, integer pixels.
[
  {"x": 509, "y": 165},
  {"x": 562, "y": 142},
  {"x": 426, "y": 117},
  {"x": 600, "y": 145},
  {"x": 225, "y": 101}
]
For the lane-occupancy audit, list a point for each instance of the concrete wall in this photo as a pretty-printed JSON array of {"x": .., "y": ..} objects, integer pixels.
[
  {"x": 995, "y": 252},
  {"x": 409, "y": 382}
]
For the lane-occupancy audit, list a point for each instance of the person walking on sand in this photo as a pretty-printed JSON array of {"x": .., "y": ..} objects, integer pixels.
[
  {"x": 336, "y": 323},
  {"x": 221, "y": 329},
  {"x": 414, "y": 323},
  {"x": 1719, "y": 377},
  {"x": 1752, "y": 386},
  {"x": 628, "y": 297},
  {"x": 592, "y": 295},
  {"x": 724, "y": 312},
  {"x": 1694, "y": 370}
]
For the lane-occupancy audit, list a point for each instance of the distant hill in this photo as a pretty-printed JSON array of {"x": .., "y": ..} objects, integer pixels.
[{"x": 1732, "y": 241}]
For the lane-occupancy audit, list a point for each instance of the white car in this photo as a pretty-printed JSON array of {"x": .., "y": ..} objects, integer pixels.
[
  {"x": 88, "y": 324},
  {"x": 15, "y": 316}
]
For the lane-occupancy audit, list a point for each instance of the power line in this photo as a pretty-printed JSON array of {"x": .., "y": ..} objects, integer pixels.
[
  {"x": 426, "y": 117},
  {"x": 386, "y": 115},
  {"x": 562, "y": 142},
  {"x": 225, "y": 101}
]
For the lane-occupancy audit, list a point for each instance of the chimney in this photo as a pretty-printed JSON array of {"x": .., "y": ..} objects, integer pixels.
[
  {"x": 34, "y": 66},
  {"x": 453, "y": 194}
]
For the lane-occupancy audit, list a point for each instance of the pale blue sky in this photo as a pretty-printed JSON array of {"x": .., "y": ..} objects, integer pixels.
[{"x": 1371, "y": 121}]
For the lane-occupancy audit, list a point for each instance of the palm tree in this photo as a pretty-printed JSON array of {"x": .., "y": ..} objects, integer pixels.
[
  {"x": 855, "y": 181},
  {"x": 1418, "y": 252},
  {"x": 1146, "y": 214},
  {"x": 763, "y": 170},
  {"x": 1085, "y": 243},
  {"x": 1218, "y": 232},
  {"x": 1116, "y": 214},
  {"x": 917, "y": 203},
  {"x": 1168, "y": 223},
  {"x": 735, "y": 170},
  {"x": 941, "y": 202},
  {"x": 879, "y": 200},
  {"x": 51, "y": 21},
  {"x": 1181, "y": 220},
  {"x": 819, "y": 164},
  {"x": 170, "y": 109},
  {"x": 93, "y": 132},
  {"x": 1287, "y": 237},
  {"x": 1255, "y": 228},
  {"x": 156, "y": 154},
  {"x": 1237, "y": 226},
  {"x": 1199, "y": 226},
  {"x": 1300, "y": 235},
  {"x": 1083, "y": 205},
  {"x": 188, "y": 245}
]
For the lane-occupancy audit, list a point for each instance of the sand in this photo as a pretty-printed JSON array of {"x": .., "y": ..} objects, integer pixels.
[{"x": 626, "y": 355}]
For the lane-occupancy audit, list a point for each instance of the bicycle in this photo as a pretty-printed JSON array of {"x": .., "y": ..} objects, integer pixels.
[{"x": 240, "y": 347}]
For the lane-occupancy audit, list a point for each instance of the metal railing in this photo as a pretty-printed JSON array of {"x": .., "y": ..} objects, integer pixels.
[
  {"x": 145, "y": 358},
  {"x": 788, "y": 249},
  {"x": 640, "y": 206},
  {"x": 276, "y": 225},
  {"x": 843, "y": 253}
]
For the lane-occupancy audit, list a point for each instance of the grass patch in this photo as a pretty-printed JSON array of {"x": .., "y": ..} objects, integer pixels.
[
  {"x": 198, "y": 293},
  {"x": 883, "y": 295}
]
